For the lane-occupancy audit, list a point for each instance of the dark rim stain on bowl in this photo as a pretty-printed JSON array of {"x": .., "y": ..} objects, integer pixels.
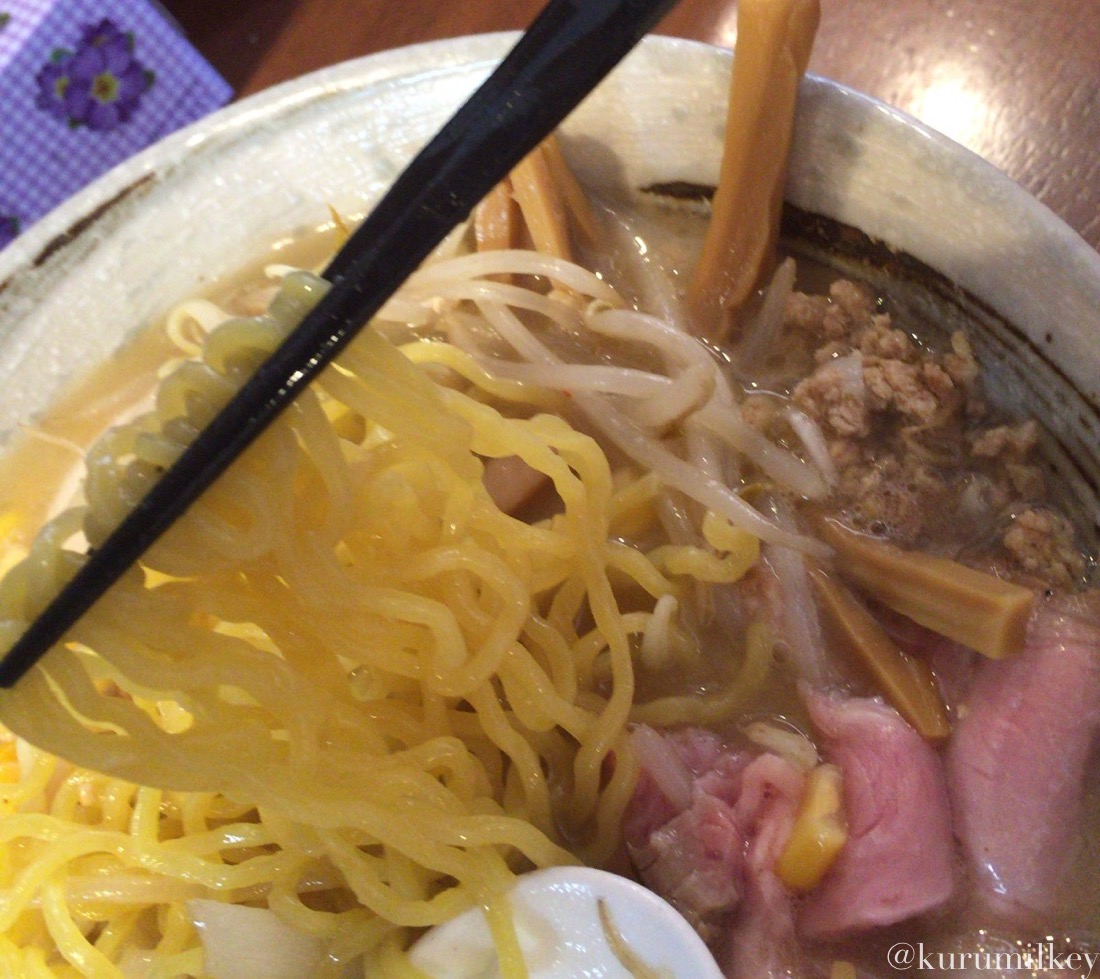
[{"x": 79, "y": 227}]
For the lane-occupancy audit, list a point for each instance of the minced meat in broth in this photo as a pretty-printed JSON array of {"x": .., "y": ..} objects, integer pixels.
[{"x": 922, "y": 458}]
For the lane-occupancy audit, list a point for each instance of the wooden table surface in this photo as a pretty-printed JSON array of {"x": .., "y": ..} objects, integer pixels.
[{"x": 1017, "y": 81}]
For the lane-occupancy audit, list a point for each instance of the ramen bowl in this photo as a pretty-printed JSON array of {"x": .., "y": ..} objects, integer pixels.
[
  {"x": 204, "y": 202},
  {"x": 868, "y": 188}
]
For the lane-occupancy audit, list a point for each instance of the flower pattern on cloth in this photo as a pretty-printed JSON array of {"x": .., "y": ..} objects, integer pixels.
[
  {"x": 85, "y": 84},
  {"x": 99, "y": 85}
]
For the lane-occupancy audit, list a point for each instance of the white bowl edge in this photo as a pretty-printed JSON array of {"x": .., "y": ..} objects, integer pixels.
[{"x": 208, "y": 197}]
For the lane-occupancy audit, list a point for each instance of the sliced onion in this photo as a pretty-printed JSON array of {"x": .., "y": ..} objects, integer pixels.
[
  {"x": 762, "y": 336},
  {"x": 849, "y": 371},
  {"x": 655, "y": 287},
  {"x": 658, "y": 758},
  {"x": 801, "y": 627},
  {"x": 814, "y": 440},
  {"x": 253, "y": 943},
  {"x": 136, "y": 963},
  {"x": 785, "y": 741},
  {"x": 656, "y": 646}
]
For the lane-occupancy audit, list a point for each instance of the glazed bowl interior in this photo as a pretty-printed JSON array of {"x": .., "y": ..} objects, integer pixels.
[{"x": 867, "y": 187}]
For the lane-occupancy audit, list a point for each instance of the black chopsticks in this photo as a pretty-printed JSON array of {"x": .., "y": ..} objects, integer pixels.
[{"x": 570, "y": 47}]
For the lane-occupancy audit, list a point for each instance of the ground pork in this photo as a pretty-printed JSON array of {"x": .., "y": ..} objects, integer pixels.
[
  {"x": 1013, "y": 441},
  {"x": 835, "y": 395},
  {"x": 890, "y": 494},
  {"x": 913, "y": 440},
  {"x": 1042, "y": 543},
  {"x": 914, "y": 391}
]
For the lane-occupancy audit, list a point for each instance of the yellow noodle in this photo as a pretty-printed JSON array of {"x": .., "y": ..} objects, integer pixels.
[
  {"x": 345, "y": 686},
  {"x": 175, "y": 927},
  {"x": 640, "y": 568},
  {"x": 69, "y": 939},
  {"x": 502, "y": 927}
]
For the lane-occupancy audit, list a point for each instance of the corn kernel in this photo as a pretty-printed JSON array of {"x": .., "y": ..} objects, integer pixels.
[{"x": 819, "y": 831}]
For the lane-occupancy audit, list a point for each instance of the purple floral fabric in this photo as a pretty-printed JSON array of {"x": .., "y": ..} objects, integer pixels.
[
  {"x": 84, "y": 84},
  {"x": 99, "y": 85}
]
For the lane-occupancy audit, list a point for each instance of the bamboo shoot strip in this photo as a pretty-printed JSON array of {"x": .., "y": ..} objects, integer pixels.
[
  {"x": 542, "y": 206},
  {"x": 906, "y": 682},
  {"x": 541, "y": 196},
  {"x": 774, "y": 38},
  {"x": 497, "y": 219},
  {"x": 979, "y": 610}
]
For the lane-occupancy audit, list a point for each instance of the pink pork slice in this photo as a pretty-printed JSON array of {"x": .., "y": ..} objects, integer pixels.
[
  {"x": 704, "y": 829},
  {"x": 1018, "y": 759},
  {"x": 679, "y": 829},
  {"x": 899, "y": 858},
  {"x": 763, "y": 943}
]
